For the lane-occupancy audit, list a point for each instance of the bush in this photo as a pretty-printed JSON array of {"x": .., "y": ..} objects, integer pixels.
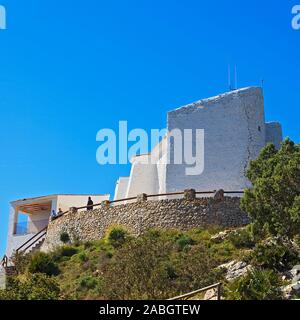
[
  {"x": 153, "y": 268},
  {"x": 138, "y": 270},
  {"x": 116, "y": 236},
  {"x": 64, "y": 252},
  {"x": 184, "y": 241},
  {"x": 43, "y": 263},
  {"x": 83, "y": 257},
  {"x": 34, "y": 287},
  {"x": 274, "y": 255},
  {"x": 89, "y": 287},
  {"x": 20, "y": 260},
  {"x": 256, "y": 285},
  {"x": 64, "y": 237},
  {"x": 88, "y": 282},
  {"x": 241, "y": 239}
]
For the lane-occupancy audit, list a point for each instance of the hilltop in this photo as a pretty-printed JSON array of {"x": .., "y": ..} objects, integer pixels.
[{"x": 157, "y": 265}]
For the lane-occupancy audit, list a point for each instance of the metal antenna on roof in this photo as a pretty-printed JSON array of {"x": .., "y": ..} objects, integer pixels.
[
  {"x": 235, "y": 77},
  {"x": 229, "y": 78}
]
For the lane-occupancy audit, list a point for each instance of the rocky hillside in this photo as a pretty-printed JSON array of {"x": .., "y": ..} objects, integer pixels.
[{"x": 160, "y": 265}]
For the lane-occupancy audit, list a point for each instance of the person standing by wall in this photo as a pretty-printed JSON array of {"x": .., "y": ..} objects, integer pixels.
[{"x": 90, "y": 204}]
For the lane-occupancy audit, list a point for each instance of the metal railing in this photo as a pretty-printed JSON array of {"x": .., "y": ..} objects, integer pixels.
[
  {"x": 32, "y": 241},
  {"x": 192, "y": 294},
  {"x": 155, "y": 195},
  {"x": 4, "y": 261}
]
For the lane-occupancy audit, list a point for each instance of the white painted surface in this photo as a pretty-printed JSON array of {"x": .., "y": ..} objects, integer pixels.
[
  {"x": 143, "y": 177},
  {"x": 274, "y": 133},
  {"x": 234, "y": 133},
  {"x": 66, "y": 201},
  {"x": 234, "y": 128},
  {"x": 15, "y": 241},
  {"x": 38, "y": 221},
  {"x": 121, "y": 188}
]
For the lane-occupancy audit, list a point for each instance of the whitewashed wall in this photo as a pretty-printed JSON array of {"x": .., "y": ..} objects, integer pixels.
[
  {"x": 234, "y": 127},
  {"x": 66, "y": 201},
  {"x": 143, "y": 177},
  {"x": 58, "y": 201},
  {"x": 14, "y": 241},
  {"x": 274, "y": 133},
  {"x": 234, "y": 133},
  {"x": 121, "y": 188}
]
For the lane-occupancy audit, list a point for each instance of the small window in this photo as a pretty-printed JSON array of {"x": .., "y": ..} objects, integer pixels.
[{"x": 259, "y": 128}]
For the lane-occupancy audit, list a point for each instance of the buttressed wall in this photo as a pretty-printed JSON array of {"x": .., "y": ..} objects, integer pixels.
[{"x": 234, "y": 133}]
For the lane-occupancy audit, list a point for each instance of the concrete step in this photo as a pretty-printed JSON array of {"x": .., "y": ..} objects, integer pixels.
[{"x": 37, "y": 246}]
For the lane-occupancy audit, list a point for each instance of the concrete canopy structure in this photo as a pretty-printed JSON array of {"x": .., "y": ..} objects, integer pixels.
[
  {"x": 235, "y": 131},
  {"x": 36, "y": 213}
]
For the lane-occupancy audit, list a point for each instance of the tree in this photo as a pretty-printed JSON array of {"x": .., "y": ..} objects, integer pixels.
[{"x": 274, "y": 201}]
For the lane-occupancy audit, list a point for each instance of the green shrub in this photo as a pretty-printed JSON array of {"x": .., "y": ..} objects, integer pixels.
[
  {"x": 88, "y": 282},
  {"x": 116, "y": 236},
  {"x": 184, "y": 241},
  {"x": 83, "y": 257},
  {"x": 241, "y": 239},
  {"x": 20, "y": 260},
  {"x": 68, "y": 251},
  {"x": 154, "y": 233},
  {"x": 154, "y": 268},
  {"x": 43, "y": 263},
  {"x": 64, "y": 237},
  {"x": 274, "y": 255},
  {"x": 256, "y": 285},
  {"x": 34, "y": 287},
  {"x": 87, "y": 244}
]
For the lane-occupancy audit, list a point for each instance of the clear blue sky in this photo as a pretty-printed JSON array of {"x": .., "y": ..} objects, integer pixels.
[{"x": 69, "y": 68}]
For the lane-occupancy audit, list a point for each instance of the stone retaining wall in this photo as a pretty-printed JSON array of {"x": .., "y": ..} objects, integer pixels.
[{"x": 187, "y": 213}]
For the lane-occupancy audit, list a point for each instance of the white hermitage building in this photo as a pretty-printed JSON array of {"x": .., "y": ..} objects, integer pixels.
[{"x": 234, "y": 132}]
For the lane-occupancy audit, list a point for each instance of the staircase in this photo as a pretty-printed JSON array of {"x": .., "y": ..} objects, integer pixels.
[
  {"x": 34, "y": 243},
  {"x": 31, "y": 245},
  {"x": 6, "y": 271},
  {"x": 37, "y": 246}
]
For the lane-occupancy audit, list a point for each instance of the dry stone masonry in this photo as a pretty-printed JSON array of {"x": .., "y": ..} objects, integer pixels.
[{"x": 186, "y": 213}]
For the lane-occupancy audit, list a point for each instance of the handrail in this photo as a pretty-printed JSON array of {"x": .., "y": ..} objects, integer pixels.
[
  {"x": 193, "y": 293},
  {"x": 31, "y": 245},
  {"x": 29, "y": 240},
  {"x": 165, "y": 194},
  {"x": 4, "y": 261},
  {"x": 158, "y": 195},
  {"x": 148, "y": 196}
]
